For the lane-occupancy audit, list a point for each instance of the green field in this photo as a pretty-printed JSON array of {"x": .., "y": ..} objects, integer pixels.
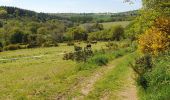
[
  {"x": 41, "y": 73},
  {"x": 37, "y": 73},
  {"x": 108, "y": 25}
]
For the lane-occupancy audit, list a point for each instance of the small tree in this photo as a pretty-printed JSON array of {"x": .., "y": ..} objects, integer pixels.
[
  {"x": 16, "y": 37},
  {"x": 117, "y": 32}
]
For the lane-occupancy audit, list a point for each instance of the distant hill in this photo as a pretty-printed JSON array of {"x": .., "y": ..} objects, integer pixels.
[{"x": 14, "y": 12}]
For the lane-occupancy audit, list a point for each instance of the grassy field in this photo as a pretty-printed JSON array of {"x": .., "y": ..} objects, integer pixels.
[
  {"x": 42, "y": 74},
  {"x": 37, "y": 73},
  {"x": 110, "y": 24}
]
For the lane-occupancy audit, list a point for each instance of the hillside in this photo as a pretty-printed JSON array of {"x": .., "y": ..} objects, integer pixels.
[{"x": 14, "y": 12}]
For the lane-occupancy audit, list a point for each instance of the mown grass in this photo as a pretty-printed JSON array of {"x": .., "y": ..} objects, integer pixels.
[{"x": 113, "y": 81}]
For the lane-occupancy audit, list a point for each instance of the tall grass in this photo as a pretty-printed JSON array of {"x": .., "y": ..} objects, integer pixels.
[
  {"x": 101, "y": 58},
  {"x": 158, "y": 80}
]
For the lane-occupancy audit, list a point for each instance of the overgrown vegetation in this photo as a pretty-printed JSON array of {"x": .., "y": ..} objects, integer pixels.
[{"x": 151, "y": 30}]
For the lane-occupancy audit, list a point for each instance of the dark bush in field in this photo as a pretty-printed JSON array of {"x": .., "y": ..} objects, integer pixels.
[
  {"x": 12, "y": 47},
  {"x": 1, "y": 45},
  {"x": 70, "y": 43},
  {"x": 68, "y": 56},
  {"x": 77, "y": 48},
  {"x": 1, "y": 49},
  {"x": 80, "y": 54},
  {"x": 46, "y": 44}
]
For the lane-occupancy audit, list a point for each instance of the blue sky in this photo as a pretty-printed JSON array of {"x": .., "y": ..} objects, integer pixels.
[{"x": 76, "y": 6}]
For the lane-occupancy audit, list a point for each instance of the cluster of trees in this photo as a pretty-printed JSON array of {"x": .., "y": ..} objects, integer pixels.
[
  {"x": 116, "y": 33},
  {"x": 99, "y": 17},
  {"x": 13, "y": 12},
  {"x": 31, "y": 32}
]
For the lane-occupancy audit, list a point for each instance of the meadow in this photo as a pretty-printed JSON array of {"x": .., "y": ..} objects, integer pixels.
[
  {"x": 108, "y": 25},
  {"x": 41, "y": 73},
  {"x": 37, "y": 73}
]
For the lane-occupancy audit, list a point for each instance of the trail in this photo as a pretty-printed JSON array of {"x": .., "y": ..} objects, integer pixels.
[
  {"x": 129, "y": 92},
  {"x": 86, "y": 85}
]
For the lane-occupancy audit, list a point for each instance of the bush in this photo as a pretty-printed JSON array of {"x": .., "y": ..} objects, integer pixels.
[
  {"x": 68, "y": 56},
  {"x": 157, "y": 80},
  {"x": 141, "y": 67},
  {"x": 17, "y": 37},
  {"x": 117, "y": 32},
  {"x": 1, "y": 49},
  {"x": 77, "y": 48},
  {"x": 50, "y": 44},
  {"x": 112, "y": 45},
  {"x": 156, "y": 39},
  {"x": 12, "y": 47},
  {"x": 70, "y": 43},
  {"x": 32, "y": 45},
  {"x": 142, "y": 64},
  {"x": 100, "y": 60},
  {"x": 1, "y": 45}
]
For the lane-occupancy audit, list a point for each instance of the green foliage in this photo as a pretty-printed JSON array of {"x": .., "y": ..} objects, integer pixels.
[
  {"x": 17, "y": 37},
  {"x": 3, "y": 13},
  {"x": 1, "y": 45},
  {"x": 99, "y": 60},
  {"x": 112, "y": 45},
  {"x": 115, "y": 33},
  {"x": 76, "y": 33},
  {"x": 70, "y": 43},
  {"x": 141, "y": 67},
  {"x": 80, "y": 54},
  {"x": 158, "y": 87}
]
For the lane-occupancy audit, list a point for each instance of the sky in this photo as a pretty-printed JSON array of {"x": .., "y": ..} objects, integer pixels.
[{"x": 73, "y": 6}]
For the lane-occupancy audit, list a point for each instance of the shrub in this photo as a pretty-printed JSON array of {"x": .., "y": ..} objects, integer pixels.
[
  {"x": 17, "y": 37},
  {"x": 1, "y": 45},
  {"x": 32, "y": 45},
  {"x": 70, "y": 43},
  {"x": 112, "y": 45},
  {"x": 68, "y": 56},
  {"x": 77, "y": 48},
  {"x": 100, "y": 60},
  {"x": 141, "y": 67},
  {"x": 117, "y": 32},
  {"x": 153, "y": 41},
  {"x": 142, "y": 64},
  {"x": 12, "y": 47},
  {"x": 1, "y": 49}
]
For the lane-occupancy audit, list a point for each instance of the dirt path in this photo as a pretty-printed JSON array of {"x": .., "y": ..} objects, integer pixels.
[
  {"x": 129, "y": 92},
  {"x": 86, "y": 85}
]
